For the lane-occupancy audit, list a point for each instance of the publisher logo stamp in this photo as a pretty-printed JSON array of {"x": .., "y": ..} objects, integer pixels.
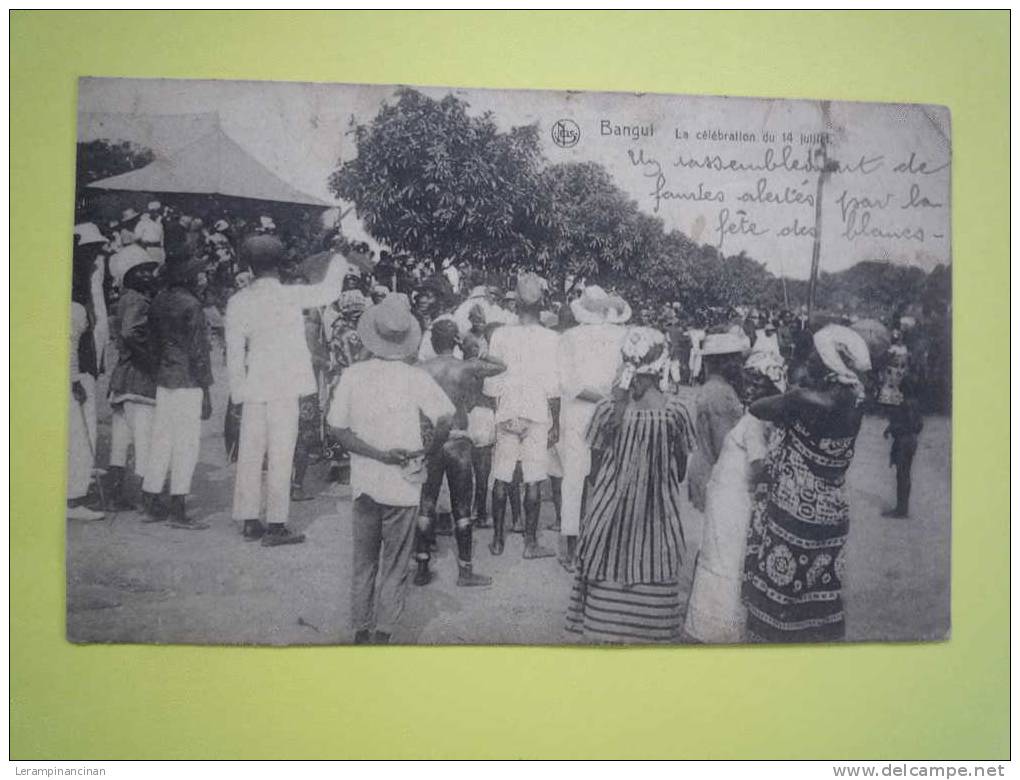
[{"x": 566, "y": 133}]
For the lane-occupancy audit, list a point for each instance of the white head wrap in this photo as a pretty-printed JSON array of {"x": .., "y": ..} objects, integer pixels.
[
  {"x": 845, "y": 353},
  {"x": 644, "y": 352},
  {"x": 770, "y": 365}
]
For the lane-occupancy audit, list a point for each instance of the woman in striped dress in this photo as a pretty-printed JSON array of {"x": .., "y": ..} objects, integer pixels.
[{"x": 629, "y": 551}]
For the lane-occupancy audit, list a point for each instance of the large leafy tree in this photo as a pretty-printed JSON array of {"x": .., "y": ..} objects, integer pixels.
[
  {"x": 434, "y": 182},
  {"x": 596, "y": 232},
  {"x": 101, "y": 158},
  {"x": 592, "y": 229},
  {"x": 431, "y": 180}
]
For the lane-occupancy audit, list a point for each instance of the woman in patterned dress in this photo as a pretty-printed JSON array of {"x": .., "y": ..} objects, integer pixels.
[
  {"x": 629, "y": 551},
  {"x": 795, "y": 549},
  {"x": 345, "y": 349},
  {"x": 310, "y": 444}
]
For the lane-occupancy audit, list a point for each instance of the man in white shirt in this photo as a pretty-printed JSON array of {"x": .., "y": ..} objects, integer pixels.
[
  {"x": 84, "y": 370},
  {"x": 88, "y": 235},
  {"x": 589, "y": 362},
  {"x": 269, "y": 368},
  {"x": 452, "y": 274},
  {"x": 696, "y": 336},
  {"x": 766, "y": 339},
  {"x": 375, "y": 412},
  {"x": 527, "y": 412},
  {"x": 149, "y": 232}
]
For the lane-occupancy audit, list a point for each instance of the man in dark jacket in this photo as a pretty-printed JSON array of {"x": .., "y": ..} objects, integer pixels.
[
  {"x": 132, "y": 386},
  {"x": 179, "y": 342},
  {"x": 905, "y": 425}
]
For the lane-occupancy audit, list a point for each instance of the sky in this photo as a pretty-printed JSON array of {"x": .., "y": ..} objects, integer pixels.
[{"x": 732, "y": 172}]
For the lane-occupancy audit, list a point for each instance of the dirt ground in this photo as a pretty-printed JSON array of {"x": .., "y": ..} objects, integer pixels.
[{"x": 134, "y": 582}]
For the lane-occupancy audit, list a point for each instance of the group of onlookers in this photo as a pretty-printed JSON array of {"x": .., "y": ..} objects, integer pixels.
[{"x": 751, "y": 420}]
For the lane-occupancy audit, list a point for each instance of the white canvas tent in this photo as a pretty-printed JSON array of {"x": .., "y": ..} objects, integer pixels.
[{"x": 213, "y": 164}]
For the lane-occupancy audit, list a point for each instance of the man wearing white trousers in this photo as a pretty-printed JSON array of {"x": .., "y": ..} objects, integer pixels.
[
  {"x": 132, "y": 383},
  {"x": 85, "y": 351},
  {"x": 269, "y": 369},
  {"x": 589, "y": 362},
  {"x": 81, "y": 424},
  {"x": 179, "y": 342}
]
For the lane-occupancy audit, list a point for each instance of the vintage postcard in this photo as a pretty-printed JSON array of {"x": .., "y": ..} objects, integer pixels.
[{"x": 420, "y": 365}]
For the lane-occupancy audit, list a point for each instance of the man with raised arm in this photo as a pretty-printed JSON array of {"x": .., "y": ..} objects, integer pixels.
[{"x": 270, "y": 368}]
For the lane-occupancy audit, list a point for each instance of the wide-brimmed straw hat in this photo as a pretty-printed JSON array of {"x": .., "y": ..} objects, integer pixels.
[
  {"x": 132, "y": 260},
  {"x": 88, "y": 233},
  {"x": 127, "y": 216},
  {"x": 596, "y": 306},
  {"x": 389, "y": 330}
]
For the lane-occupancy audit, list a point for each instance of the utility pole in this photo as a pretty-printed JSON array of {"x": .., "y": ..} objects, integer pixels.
[
  {"x": 826, "y": 167},
  {"x": 782, "y": 276}
]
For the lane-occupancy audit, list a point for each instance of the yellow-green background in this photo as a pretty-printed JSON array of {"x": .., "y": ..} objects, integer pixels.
[{"x": 946, "y": 700}]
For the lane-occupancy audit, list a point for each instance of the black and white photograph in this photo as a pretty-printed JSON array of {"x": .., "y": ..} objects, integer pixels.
[{"x": 373, "y": 364}]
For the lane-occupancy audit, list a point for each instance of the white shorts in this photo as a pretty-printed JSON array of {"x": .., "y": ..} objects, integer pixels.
[
  {"x": 530, "y": 448},
  {"x": 555, "y": 465},
  {"x": 481, "y": 426}
]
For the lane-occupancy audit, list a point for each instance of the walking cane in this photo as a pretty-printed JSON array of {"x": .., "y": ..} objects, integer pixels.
[{"x": 92, "y": 450}]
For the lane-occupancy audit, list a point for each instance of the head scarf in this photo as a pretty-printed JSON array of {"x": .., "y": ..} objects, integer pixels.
[
  {"x": 770, "y": 365},
  {"x": 845, "y": 353},
  {"x": 352, "y": 304},
  {"x": 644, "y": 353}
]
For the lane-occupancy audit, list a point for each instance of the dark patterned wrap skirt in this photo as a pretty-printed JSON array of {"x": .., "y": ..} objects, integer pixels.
[
  {"x": 309, "y": 425},
  {"x": 795, "y": 550},
  {"x": 232, "y": 430}
]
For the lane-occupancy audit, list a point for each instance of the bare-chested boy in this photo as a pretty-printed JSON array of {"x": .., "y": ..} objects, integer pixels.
[{"x": 460, "y": 380}]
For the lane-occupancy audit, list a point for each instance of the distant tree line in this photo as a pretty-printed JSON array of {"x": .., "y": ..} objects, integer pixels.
[{"x": 431, "y": 181}]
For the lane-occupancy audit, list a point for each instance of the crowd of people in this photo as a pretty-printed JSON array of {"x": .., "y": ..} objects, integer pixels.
[{"x": 442, "y": 380}]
